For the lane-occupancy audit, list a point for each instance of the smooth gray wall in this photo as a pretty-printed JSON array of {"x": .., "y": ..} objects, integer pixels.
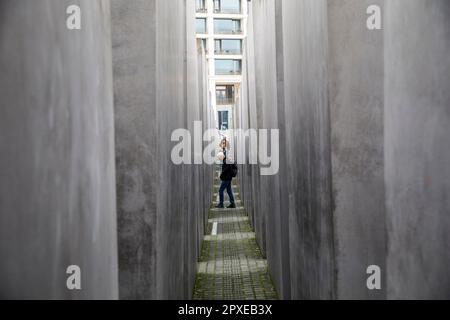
[
  {"x": 161, "y": 206},
  {"x": 134, "y": 61},
  {"x": 356, "y": 79},
  {"x": 57, "y": 183},
  {"x": 245, "y": 112},
  {"x": 364, "y": 123},
  {"x": 305, "y": 45},
  {"x": 268, "y": 188},
  {"x": 288, "y": 90},
  {"x": 417, "y": 142}
]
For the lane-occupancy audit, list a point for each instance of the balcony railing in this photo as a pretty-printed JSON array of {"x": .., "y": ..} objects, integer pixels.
[
  {"x": 222, "y": 101},
  {"x": 228, "y": 52},
  {"x": 223, "y": 72},
  {"x": 216, "y": 31},
  {"x": 227, "y": 11}
]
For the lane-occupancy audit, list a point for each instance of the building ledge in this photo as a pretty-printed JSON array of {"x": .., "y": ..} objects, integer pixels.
[{"x": 227, "y": 56}]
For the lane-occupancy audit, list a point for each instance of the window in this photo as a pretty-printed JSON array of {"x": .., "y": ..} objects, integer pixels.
[
  {"x": 216, "y": 5},
  {"x": 201, "y": 25},
  {"x": 227, "y": 26},
  {"x": 223, "y": 121},
  {"x": 205, "y": 45},
  {"x": 228, "y": 46},
  {"x": 200, "y": 5},
  {"x": 225, "y": 95},
  {"x": 228, "y": 67},
  {"x": 227, "y": 6}
]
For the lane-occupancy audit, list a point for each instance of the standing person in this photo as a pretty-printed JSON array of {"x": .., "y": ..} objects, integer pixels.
[
  {"x": 225, "y": 146},
  {"x": 229, "y": 171}
]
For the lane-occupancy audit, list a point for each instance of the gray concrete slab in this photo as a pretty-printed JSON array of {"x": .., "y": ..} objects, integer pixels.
[
  {"x": 417, "y": 174},
  {"x": 161, "y": 206},
  {"x": 363, "y": 118},
  {"x": 57, "y": 186},
  {"x": 356, "y": 88}
]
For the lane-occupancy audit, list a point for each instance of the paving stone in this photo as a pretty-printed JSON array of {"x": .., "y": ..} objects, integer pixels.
[{"x": 231, "y": 265}]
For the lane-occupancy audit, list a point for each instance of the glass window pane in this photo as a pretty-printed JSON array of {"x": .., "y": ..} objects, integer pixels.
[
  {"x": 228, "y": 67},
  {"x": 225, "y": 95},
  {"x": 229, "y": 47},
  {"x": 200, "y": 5},
  {"x": 229, "y": 6},
  {"x": 201, "y": 25},
  {"x": 223, "y": 120},
  {"x": 217, "y": 45},
  {"x": 227, "y": 26},
  {"x": 205, "y": 45}
]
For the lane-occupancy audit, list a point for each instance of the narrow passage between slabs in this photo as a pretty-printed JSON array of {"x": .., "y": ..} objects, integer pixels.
[{"x": 231, "y": 265}]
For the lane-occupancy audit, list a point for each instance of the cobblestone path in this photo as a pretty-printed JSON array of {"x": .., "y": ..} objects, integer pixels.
[{"x": 231, "y": 264}]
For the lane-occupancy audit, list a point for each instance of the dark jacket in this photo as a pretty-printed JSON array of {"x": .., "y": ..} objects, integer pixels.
[{"x": 227, "y": 171}]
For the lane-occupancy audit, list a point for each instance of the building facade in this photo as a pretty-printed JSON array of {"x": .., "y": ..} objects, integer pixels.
[{"x": 222, "y": 27}]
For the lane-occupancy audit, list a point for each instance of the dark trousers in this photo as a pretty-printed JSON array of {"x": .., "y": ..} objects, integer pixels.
[{"x": 226, "y": 185}]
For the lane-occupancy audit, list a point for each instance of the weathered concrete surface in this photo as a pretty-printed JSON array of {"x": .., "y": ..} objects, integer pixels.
[
  {"x": 357, "y": 142},
  {"x": 161, "y": 206},
  {"x": 364, "y": 176},
  {"x": 417, "y": 143},
  {"x": 266, "y": 98},
  {"x": 289, "y": 91},
  {"x": 136, "y": 127},
  {"x": 364, "y": 125},
  {"x": 247, "y": 116},
  {"x": 57, "y": 185},
  {"x": 305, "y": 46}
]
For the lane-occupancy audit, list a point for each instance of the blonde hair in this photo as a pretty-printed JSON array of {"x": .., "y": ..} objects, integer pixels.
[{"x": 226, "y": 142}]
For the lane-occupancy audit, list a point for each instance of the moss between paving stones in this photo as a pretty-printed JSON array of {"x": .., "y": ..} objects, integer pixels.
[{"x": 234, "y": 265}]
